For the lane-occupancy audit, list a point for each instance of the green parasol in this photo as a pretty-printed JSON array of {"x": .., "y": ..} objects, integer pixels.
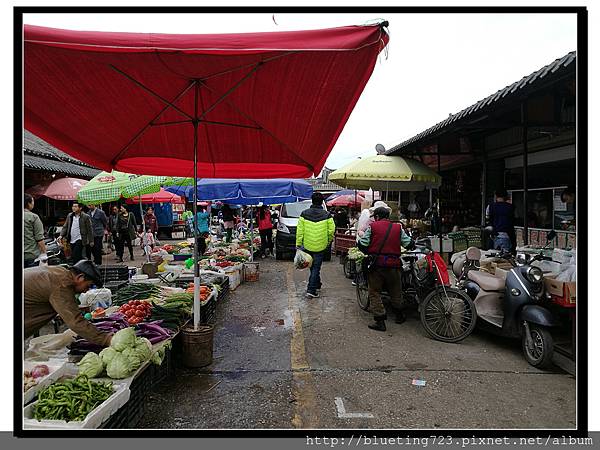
[
  {"x": 109, "y": 187},
  {"x": 382, "y": 172}
]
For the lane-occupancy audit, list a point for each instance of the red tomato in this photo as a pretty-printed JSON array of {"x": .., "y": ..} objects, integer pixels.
[
  {"x": 125, "y": 307},
  {"x": 139, "y": 313},
  {"x": 130, "y": 312},
  {"x": 137, "y": 302}
]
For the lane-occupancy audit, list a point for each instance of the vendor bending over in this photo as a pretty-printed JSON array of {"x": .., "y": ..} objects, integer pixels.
[{"x": 50, "y": 290}]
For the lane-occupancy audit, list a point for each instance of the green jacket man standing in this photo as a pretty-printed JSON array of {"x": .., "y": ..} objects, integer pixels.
[{"x": 314, "y": 234}]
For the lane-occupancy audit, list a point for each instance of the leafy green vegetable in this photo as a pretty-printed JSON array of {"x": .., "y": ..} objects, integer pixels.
[
  {"x": 143, "y": 348},
  {"x": 107, "y": 354},
  {"x": 133, "y": 357},
  {"x": 123, "y": 338},
  {"x": 119, "y": 367},
  {"x": 90, "y": 365}
]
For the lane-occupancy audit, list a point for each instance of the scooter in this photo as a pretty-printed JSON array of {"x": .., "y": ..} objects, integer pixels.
[
  {"x": 512, "y": 306},
  {"x": 54, "y": 253}
]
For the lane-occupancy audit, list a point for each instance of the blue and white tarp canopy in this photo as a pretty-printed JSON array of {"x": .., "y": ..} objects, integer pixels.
[{"x": 247, "y": 191}]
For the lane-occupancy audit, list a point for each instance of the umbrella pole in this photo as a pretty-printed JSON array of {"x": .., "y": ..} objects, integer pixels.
[
  {"x": 143, "y": 229},
  {"x": 251, "y": 234},
  {"x": 196, "y": 258}
]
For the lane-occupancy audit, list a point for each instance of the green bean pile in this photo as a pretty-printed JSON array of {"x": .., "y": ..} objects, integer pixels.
[{"x": 71, "y": 400}]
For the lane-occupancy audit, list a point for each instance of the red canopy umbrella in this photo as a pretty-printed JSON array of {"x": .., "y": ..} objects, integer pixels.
[
  {"x": 347, "y": 200},
  {"x": 59, "y": 189},
  {"x": 265, "y": 105},
  {"x": 161, "y": 196}
]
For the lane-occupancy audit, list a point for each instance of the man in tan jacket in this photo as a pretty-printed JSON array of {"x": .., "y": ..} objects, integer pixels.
[{"x": 50, "y": 290}]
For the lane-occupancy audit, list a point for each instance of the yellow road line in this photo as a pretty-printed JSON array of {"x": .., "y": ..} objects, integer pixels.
[{"x": 303, "y": 387}]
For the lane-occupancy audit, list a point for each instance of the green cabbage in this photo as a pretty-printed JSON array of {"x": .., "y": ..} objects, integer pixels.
[
  {"x": 90, "y": 365},
  {"x": 158, "y": 356},
  {"x": 123, "y": 338},
  {"x": 134, "y": 358},
  {"x": 119, "y": 367},
  {"x": 107, "y": 354},
  {"x": 144, "y": 348}
]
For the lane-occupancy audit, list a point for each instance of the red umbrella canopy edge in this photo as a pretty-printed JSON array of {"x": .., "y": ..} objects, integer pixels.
[{"x": 263, "y": 105}]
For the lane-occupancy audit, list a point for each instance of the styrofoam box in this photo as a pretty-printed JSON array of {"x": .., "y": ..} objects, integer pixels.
[
  {"x": 234, "y": 278},
  {"x": 94, "y": 419},
  {"x": 57, "y": 369}
]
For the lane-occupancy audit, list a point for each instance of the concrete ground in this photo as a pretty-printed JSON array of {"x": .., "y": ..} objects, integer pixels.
[{"x": 282, "y": 361}]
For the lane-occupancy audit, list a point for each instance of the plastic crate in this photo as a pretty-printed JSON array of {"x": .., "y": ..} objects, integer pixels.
[
  {"x": 473, "y": 236},
  {"x": 182, "y": 256},
  {"x": 165, "y": 370},
  {"x": 459, "y": 241},
  {"x": 114, "y": 286},
  {"x": 208, "y": 312},
  {"x": 114, "y": 272}
]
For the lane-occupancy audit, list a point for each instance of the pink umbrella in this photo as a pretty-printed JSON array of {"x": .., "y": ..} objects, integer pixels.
[
  {"x": 161, "y": 196},
  {"x": 346, "y": 200},
  {"x": 60, "y": 189}
]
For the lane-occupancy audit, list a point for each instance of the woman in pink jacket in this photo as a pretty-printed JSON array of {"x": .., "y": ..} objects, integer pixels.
[{"x": 265, "y": 227}]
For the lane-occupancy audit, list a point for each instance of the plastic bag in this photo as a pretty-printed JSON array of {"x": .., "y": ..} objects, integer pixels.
[
  {"x": 50, "y": 346},
  {"x": 96, "y": 298},
  {"x": 302, "y": 260}
]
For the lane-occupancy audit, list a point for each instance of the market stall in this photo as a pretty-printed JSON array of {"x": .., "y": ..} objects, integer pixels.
[{"x": 70, "y": 383}]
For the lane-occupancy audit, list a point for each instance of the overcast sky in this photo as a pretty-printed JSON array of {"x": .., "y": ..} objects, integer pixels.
[{"x": 437, "y": 64}]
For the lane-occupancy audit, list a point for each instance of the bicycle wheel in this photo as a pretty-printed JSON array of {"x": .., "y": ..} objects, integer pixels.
[
  {"x": 448, "y": 314},
  {"x": 362, "y": 290}
]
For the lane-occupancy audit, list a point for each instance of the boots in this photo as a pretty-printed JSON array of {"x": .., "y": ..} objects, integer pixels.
[
  {"x": 400, "y": 317},
  {"x": 131, "y": 256},
  {"x": 378, "y": 324}
]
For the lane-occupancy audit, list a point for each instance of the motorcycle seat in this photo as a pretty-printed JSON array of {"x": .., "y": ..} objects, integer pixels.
[{"x": 486, "y": 281}]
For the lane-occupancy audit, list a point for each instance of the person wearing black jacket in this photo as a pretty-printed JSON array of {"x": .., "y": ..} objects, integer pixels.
[
  {"x": 227, "y": 213},
  {"x": 126, "y": 229}
]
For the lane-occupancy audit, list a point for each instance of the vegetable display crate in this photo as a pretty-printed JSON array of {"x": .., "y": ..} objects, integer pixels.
[
  {"x": 223, "y": 292},
  {"x": 102, "y": 414},
  {"x": 114, "y": 286},
  {"x": 114, "y": 272},
  {"x": 208, "y": 312},
  {"x": 182, "y": 256},
  {"x": 473, "y": 237},
  {"x": 459, "y": 241},
  {"x": 165, "y": 370},
  {"x": 132, "y": 412}
]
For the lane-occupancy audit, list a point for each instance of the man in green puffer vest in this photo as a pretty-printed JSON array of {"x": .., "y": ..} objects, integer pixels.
[{"x": 313, "y": 235}]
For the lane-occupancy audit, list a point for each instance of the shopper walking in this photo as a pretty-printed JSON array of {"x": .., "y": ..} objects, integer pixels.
[
  {"x": 227, "y": 214},
  {"x": 113, "y": 228},
  {"x": 313, "y": 235},
  {"x": 383, "y": 241},
  {"x": 99, "y": 226},
  {"x": 150, "y": 221},
  {"x": 33, "y": 235},
  {"x": 127, "y": 230},
  {"x": 501, "y": 216},
  {"x": 265, "y": 229},
  {"x": 50, "y": 290},
  {"x": 78, "y": 233},
  {"x": 203, "y": 229}
]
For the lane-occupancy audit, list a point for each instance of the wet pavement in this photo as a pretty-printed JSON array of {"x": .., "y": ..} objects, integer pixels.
[{"x": 282, "y": 361}]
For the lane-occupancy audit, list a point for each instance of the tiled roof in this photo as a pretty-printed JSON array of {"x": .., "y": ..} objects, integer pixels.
[
  {"x": 556, "y": 68},
  {"x": 52, "y": 165},
  {"x": 39, "y": 155}
]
